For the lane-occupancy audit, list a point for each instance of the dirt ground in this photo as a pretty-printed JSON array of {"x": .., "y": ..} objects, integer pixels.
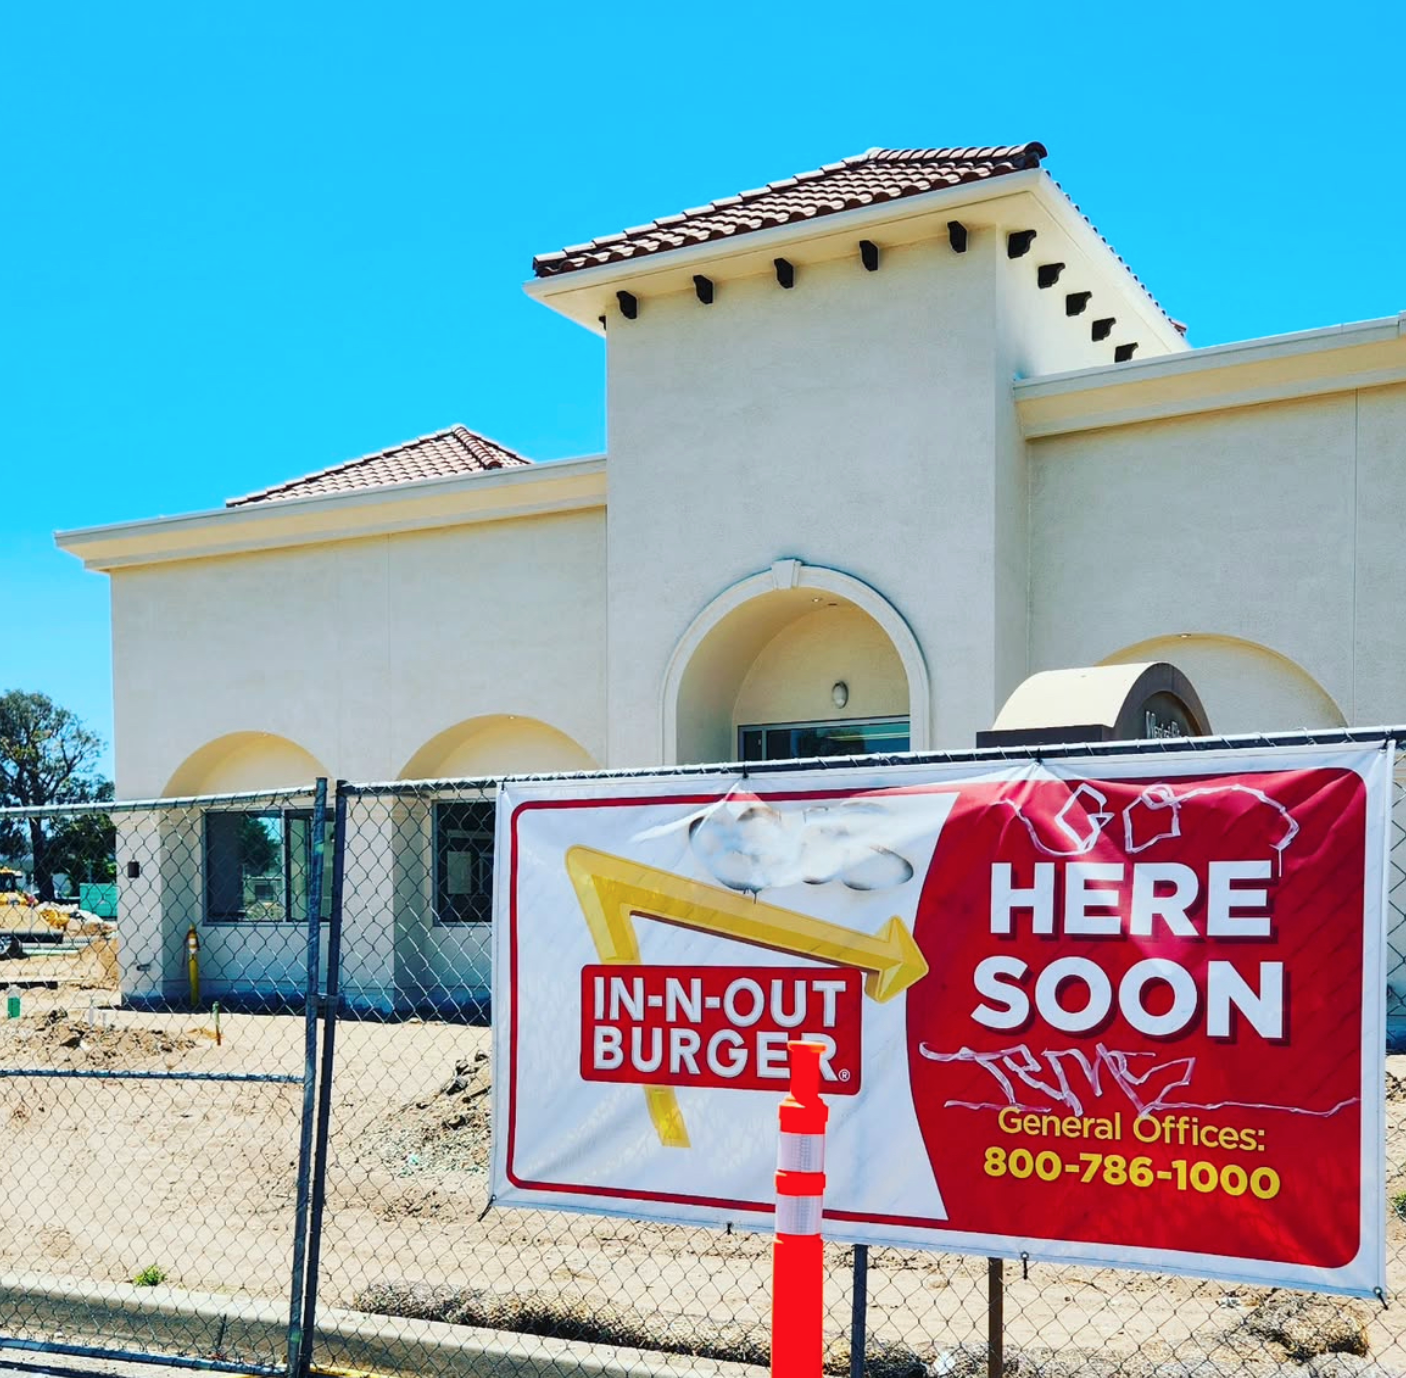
[{"x": 196, "y": 1181}]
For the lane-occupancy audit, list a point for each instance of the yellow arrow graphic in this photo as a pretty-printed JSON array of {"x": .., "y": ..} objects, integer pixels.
[{"x": 612, "y": 890}]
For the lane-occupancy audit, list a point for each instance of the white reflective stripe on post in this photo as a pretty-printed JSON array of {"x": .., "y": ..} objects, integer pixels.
[
  {"x": 798, "y": 1214},
  {"x": 801, "y": 1153}
]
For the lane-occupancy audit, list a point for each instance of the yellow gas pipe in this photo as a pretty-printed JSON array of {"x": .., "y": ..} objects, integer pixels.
[{"x": 193, "y": 953}]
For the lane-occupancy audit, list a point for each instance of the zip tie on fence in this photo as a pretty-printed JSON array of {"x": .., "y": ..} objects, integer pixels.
[
  {"x": 798, "y": 1260},
  {"x": 487, "y": 1206},
  {"x": 1381, "y": 1297},
  {"x": 1024, "y": 1266}
]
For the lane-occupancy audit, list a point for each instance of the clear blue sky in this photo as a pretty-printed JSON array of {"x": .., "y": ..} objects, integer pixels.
[{"x": 242, "y": 242}]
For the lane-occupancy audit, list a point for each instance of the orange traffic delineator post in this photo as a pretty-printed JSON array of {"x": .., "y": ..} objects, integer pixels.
[{"x": 797, "y": 1259}]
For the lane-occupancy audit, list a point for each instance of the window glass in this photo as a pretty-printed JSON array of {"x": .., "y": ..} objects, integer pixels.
[
  {"x": 257, "y": 866},
  {"x": 464, "y": 862},
  {"x": 244, "y": 866},
  {"x": 300, "y": 838},
  {"x": 789, "y": 741}
]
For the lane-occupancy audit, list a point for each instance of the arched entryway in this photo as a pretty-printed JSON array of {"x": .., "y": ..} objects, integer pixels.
[{"x": 795, "y": 660}]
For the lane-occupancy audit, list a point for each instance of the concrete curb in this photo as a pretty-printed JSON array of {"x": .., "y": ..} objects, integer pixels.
[{"x": 170, "y": 1321}]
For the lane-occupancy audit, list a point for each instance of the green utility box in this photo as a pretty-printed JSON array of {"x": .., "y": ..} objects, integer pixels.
[{"x": 100, "y": 900}]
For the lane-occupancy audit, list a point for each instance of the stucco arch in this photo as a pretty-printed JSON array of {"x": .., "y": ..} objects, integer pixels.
[
  {"x": 714, "y": 656},
  {"x": 1246, "y": 687},
  {"x": 496, "y": 744},
  {"x": 243, "y": 761}
]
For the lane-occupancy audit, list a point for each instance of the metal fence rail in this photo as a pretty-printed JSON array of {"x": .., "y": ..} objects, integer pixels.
[{"x": 152, "y": 1089}]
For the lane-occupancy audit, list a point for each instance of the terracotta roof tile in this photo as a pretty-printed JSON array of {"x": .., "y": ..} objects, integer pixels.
[
  {"x": 441, "y": 455},
  {"x": 882, "y": 174}
]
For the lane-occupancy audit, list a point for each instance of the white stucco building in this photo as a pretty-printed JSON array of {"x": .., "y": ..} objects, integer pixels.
[{"x": 884, "y": 440}]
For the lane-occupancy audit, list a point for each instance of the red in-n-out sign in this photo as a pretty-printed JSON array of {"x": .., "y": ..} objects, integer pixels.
[{"x": 719, "y": 1027}]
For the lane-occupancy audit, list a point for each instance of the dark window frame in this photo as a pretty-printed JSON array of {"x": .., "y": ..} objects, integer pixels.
[
  {"x": 230, "y": 919},
  {"x": 477, "y": 822},
  {"x": 901, "y": 720}
]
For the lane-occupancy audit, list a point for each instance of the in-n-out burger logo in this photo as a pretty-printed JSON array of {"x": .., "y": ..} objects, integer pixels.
[
  {"x": 1148, "y": 901},
  {"x": 718, "y": 1026}
]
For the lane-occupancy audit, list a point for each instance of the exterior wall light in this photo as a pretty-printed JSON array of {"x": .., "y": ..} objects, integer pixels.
[{"x": 840, "y": 693}]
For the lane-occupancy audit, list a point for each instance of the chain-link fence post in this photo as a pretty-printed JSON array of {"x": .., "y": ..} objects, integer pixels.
[
  {"x": 859, "y": 1312},
  {"x": 154, "y": 1137},
  {"x": 296, "y": 1335},
  {"x": 324, "y": 1097},
  {"x": 995, "y": 1317}
]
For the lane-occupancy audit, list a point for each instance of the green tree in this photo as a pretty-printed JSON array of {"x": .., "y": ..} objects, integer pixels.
[
  {"x": 84, "y": 846},
  {"x": 46, "y": 757},
  {"x": 260, "y": 851}
]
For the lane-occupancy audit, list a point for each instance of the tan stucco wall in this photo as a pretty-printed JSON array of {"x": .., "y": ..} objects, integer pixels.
[
  {"x": 1379, "y": 613},
  {"x": 848, "y": 422},
  {"x": 360, "y": 653},
  {"x": 1258, "y": 548},
  {"x": 1277, "y": 526},
  {"x": 863, "y": 423}
]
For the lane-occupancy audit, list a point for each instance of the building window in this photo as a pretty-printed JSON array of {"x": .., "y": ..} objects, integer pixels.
[
  {"x": 789, "y": 741},
  {"x": 257, "y": 866},
  {"x": 463, "y": 861}
]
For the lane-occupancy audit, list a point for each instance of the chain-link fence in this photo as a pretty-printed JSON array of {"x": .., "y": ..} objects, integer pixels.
[
  {"x": 171, "y": 1192},
  {"x": 410, "y": 1236},
  {"x": 155, "y": 1062}
]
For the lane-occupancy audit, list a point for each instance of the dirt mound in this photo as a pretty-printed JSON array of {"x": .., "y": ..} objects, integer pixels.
[
  {"x": 445, "y": 1132},
  {"x": 1298, "y": 1325},
  {"x": 1306, "y": 1326},
  {"x": 87, "y": 960},
  {"x": 67, "y": 1040}
]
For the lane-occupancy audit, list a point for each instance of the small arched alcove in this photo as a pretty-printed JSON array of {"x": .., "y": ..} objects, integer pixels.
[
  {"x": 440, "y": 843},
  {"x": 1245, "y": 687},
  {"x": 496, "y": 744},
  {"x": 795, "y": 660},
  {"x": 243, "y": 761},
  {"x": 236, "y": 870}
]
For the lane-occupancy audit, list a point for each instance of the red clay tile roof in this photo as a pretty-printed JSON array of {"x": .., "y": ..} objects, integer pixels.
[
  {"x": 441, "y": 455},
  {"x": 881, "y": 174}
]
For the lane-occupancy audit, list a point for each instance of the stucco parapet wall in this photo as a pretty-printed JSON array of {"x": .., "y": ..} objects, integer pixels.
[
  {"x": 504, "y": 495},
  {"x": 1340, "y": 358},
  {"x": 1016, "y": 200}
]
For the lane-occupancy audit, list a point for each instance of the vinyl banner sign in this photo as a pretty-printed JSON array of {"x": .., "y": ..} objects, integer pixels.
[{"x": 1121, "y": 1010}]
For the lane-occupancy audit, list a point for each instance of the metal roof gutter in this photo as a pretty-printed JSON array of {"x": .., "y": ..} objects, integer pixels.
[{"x": 1308, "y": 363}]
